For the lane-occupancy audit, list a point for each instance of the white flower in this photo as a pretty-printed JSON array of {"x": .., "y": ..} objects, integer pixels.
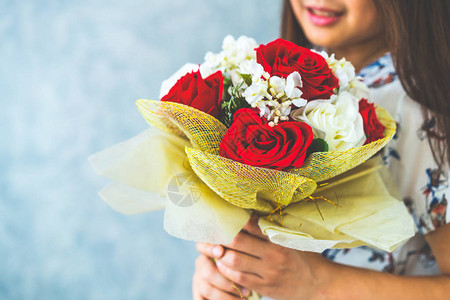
[
  {"x": 170, "y": 82},
  {"x": 278, "y": 85},
  {"x": 292, "y": 90},
  {"x": 359, "y": 89},
  {"x": 209, "y": 67},
  {"x": 263, "y": 109},
  {"x": 239, "y": 50},
  {"x": 234, "y": 52},
  {"x": 345, "y": 72},
  {"x": 251, "y": 67},
  {"x": 285, "y": 109},
  {"x": 299, "y": 102},
  {"x": 337, "y": 121},
  {"x": 274, "y": 96},
  {"x": 342, "y": 69},
  {"x": 236, "y": 79},
  {"x": 255, "y": 92}
]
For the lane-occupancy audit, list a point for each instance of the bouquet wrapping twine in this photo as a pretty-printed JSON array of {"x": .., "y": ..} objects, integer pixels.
[{"x": 207, "y": 198}]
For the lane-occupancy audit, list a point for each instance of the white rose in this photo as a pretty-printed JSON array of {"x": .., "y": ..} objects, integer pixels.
[{"x": 338, "y": 122}]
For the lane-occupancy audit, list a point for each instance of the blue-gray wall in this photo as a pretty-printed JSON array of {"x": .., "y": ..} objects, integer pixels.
[{"x": 70, "y": 72}]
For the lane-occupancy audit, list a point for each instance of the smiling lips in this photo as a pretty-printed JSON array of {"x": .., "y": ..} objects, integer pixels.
[{"x": 322, "y": 16}]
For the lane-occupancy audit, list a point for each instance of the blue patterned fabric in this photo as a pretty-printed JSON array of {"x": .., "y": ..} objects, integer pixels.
[{"x": 423, "y": 187}]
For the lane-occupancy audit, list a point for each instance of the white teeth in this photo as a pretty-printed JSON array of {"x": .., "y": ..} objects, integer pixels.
[{"x": 322, "y": 13}]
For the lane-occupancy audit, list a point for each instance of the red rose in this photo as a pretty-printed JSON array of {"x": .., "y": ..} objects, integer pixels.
[
  {"x": 199, "y": 93},
  {"x": 281, "y": 58},
  {"x": 250, "y": 140},
  {"x": 373, "y": 129}
]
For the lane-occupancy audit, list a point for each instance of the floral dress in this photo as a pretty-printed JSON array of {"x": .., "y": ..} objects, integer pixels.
[{"x": 423, "y": 187}]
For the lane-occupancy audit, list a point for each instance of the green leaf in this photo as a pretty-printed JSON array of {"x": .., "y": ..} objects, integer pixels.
[
  {"x": 247, "y": 79},
  {"x": 230, "y": 106},
  {"x": 317, "y": 145}
]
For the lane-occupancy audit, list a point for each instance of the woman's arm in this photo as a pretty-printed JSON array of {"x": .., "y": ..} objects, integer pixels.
[
  {"x": 439, "y": 241},
  {"x": 281, "y": 273}
]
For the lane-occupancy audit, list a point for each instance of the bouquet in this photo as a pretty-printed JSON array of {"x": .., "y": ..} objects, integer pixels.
[{"x": 276, "y": 129}]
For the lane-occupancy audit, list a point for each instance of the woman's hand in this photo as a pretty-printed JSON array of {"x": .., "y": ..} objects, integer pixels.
[
  {"x": 254, "y": 262},
  {"x": 208, "y": 283}
]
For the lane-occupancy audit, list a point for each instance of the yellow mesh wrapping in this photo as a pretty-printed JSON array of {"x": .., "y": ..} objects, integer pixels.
[
  {"x": 204, "y": 131},
  {"x": 246, "y": 186}
]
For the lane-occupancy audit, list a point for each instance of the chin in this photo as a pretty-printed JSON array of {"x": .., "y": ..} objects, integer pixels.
[{"x": 324, "y": 40}]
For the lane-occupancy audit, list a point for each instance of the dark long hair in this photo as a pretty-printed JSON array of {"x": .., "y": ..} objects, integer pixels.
[{"x": 417, "y": 37}]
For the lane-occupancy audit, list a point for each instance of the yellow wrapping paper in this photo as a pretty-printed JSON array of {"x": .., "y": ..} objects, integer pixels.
[
  {"x": 367, "y": 214},
  {"x": 158, "y": 170},
  {"x": 143, "y": 167}
]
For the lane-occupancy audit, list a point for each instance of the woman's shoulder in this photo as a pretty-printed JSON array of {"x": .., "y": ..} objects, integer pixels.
[
  {"x": 379, "y": 73},
  {"x": 386, "y": 90}
]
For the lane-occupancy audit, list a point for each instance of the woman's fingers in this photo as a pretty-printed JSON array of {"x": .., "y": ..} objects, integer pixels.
[
  {"x": 242, "y": 278},
  {"x": 249, "y": 244},
  {"x": 205, "y": 291},
  {"x": 208, "y": 273},
  {"x": 241, "y": 262},
  {"x": 210, "y": 250},
  {"x": 233, "y": 255},
  {"x": 195, "y": 291},
  {"x": 242, "y": 242},
  {"x": 252, "y": 228}
]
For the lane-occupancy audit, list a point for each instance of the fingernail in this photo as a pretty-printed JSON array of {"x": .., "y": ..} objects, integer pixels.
[
  {"x": 217, "y": 251},
  {"x": 219, "y": 263},
  {"x": 245, "y": 292}
]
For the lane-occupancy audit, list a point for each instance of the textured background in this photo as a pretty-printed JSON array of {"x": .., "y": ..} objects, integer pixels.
[{"x": 70, "y": 72}]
